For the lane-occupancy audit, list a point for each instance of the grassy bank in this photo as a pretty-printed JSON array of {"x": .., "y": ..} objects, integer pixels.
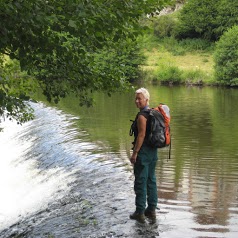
[{"x": 177, "y": 62}]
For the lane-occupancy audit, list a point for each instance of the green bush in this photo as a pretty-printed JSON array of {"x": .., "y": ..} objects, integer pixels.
[
  {"x": 15, "y": 89},
  {"x": 196, "y": 44},
  {"x": 127, "y": 56},
  {"x": 169, "y": 75},
  {"x": 226, "y": 58},
  {"x": 172, "y": 45},
  {"x": 181, "y": 47},
  {"x": 196, "y": 77},
  {"x": 147, "y": 75},
  {"x": 164, "y": 25},
  {"x": 206, "y": 19},
  {"x": 196, "y": 19},
  {"x": 226, "y": 17}
]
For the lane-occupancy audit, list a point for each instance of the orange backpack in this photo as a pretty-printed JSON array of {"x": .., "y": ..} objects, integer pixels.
[
  {"x": 159, "y": 119},
  {"x": 164, "y": 110}
]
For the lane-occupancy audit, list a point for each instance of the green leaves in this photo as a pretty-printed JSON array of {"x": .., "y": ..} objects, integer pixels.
[
  {"x": 226, "y": 58},
  {"x": 14, "y": 87},
  {"x": 72, "y": 46},
  {"x": 207, "y": 19},
  {"x": 72, "y": 24}
]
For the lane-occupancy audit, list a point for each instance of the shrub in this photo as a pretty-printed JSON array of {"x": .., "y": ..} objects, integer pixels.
[
  {"x": 164, "y": 25},
  {"x": 169, "y": 75},
  {"x": 147, "y": 75},
  {"x": 196, "y": 44},
  {"x": 196, "y": 77},
  {"x": 181, "y": 47},
  {"x": 206, "y": 19},
  {"x": 226, "y": 17},
  {"x": 226, "y": 58}
]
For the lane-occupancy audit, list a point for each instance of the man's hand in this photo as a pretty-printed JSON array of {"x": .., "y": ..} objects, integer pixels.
[{"x": 133, "y": 158}]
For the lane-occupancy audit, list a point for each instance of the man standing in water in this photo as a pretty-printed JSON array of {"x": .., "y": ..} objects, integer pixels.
[{"x": 144, "y": 159}]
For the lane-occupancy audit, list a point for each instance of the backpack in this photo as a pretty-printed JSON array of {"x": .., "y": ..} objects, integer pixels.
[
  {"x": 159, "y": 119},
  {"x": 159, "y": 123}
]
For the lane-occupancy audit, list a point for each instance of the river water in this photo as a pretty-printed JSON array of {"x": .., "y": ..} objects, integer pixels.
[{"x": 67, "y": 174}]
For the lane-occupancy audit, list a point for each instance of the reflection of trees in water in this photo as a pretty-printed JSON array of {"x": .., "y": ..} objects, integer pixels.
[
  {"x": 210, "y": 191},
  {"x": 199, "y": 174},
  {"x": 203, "y": 165},
  {"x": 211, "y": 204}
]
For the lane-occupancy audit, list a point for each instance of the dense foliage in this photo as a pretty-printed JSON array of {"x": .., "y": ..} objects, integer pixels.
[
  {"x": 197, "y": 26},
  {"x": 60, "y": 43},
  {"x": 226, "y": 58},
  {"x": 164, "y": 26},
  {"x": 14, "y": 85},
  {"x": 207, "y": 19}
]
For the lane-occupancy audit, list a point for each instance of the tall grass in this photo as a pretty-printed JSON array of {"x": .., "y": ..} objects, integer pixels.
[
  {"x": 170, "y": 61},
  {"x": 173, "y": 75}
]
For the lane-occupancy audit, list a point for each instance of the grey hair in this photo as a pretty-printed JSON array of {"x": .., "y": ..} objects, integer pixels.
[{"x": 144, "y": 92}]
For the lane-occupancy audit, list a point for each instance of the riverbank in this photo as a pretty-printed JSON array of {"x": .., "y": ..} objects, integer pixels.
[{"x": 169, "y": 61}]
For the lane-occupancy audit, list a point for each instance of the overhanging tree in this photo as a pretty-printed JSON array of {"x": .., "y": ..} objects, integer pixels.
[{"x": 59, "y": 43}]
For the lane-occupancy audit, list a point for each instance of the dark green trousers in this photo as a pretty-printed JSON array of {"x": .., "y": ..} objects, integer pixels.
[{"x": 145, "y": 180}]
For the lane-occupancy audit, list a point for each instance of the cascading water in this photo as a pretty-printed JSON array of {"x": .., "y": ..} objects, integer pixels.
[
  {"x": 25, "y": 188},
  {"x": 63, "y": 176},
  {"x": 53, "y": 185}
]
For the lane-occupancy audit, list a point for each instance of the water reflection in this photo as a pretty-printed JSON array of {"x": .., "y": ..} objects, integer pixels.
[{"x": 197, "y": 187}]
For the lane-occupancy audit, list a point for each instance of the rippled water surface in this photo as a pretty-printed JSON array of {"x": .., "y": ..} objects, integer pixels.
[{"x": 67, "y": 174}]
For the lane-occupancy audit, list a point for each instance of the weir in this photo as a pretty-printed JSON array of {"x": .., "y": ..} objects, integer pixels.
[
  {"x": 67, "y": 172},
  {"x": 52, "y": 182}
]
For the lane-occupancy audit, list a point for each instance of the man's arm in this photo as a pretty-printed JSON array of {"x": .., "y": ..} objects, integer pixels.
[{"x": 141, "y": 124}]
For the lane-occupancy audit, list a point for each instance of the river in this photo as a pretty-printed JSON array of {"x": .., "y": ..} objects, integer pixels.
[{"x": 67, "y": 172}]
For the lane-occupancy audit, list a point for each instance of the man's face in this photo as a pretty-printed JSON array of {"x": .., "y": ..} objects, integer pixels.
[{"x": 140, "y": 101}]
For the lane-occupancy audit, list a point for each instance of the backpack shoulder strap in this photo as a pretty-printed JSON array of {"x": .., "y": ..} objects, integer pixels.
[{"x": 132, "y": 128}]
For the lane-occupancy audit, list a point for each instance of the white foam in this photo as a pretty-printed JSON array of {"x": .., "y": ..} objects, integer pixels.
[{"x": 24, "y": 188}]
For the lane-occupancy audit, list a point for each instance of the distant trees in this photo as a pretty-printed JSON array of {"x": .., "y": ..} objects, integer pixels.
[
  {"x": 226, "y": 58},
  {"x": 207, "y": 19},
  {"x": 210, "y": 20}
]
